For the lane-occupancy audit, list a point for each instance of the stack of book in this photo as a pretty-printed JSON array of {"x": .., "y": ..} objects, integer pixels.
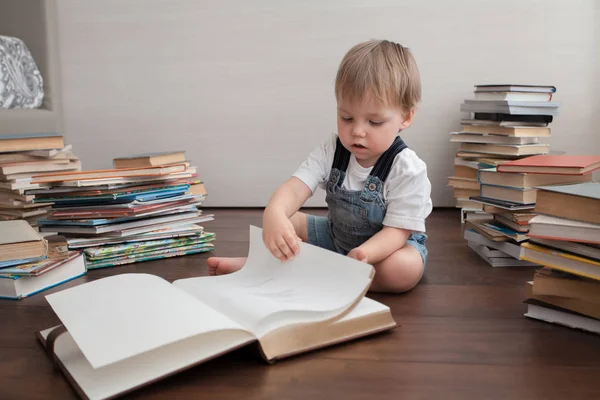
[
  {"x": 146, "y": 208},
  {"x": 509, "y": 193},
  {"x": 21, "y": 157},
  {"x": 30, "y": 263},
  {"x": 506, "y": 122},
  {"x": 565, "y": 238}
]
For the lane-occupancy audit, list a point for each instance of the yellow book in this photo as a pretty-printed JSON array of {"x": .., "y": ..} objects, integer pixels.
[{"x": 552, "y": 258}]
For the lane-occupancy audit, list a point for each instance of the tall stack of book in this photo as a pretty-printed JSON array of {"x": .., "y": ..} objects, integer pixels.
[
  {"x": 21, "y": 157},
  {"x": 509, "y": 193},
  {"x": 506, "y": 122},
  {"x": 146, "y": 208},
  {"x": 30, "y": 263},
  {"x": 565, "y": 238}
]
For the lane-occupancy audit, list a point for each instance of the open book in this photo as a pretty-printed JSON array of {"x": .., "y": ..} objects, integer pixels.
[{"x": 128, "y": 330}]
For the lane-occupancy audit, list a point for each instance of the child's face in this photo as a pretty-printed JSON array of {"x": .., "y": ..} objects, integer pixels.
[{"x": 367, "y": 128}]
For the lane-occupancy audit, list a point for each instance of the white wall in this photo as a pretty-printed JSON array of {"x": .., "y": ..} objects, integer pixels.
[{"x": 246, "y": 87}]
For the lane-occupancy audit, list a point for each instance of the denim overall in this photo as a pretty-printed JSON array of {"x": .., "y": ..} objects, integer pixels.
[{"x": 356, "y": 216}]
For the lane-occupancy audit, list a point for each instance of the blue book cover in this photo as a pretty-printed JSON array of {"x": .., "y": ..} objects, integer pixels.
[
  {"x": 10, "y": 263},
  {"x": 115, "y": 198}
]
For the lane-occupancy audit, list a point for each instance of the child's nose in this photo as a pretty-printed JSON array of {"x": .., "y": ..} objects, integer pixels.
[{"x": 359, "y": 130}]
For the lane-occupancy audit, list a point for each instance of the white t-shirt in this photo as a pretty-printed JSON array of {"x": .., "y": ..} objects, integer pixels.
[{"x": 406, "y": 190}]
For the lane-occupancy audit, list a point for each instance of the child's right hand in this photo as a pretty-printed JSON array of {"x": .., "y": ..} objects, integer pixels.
[{"x": 280, "y": 236}]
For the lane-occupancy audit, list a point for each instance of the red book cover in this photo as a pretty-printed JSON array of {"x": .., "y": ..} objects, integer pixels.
[{"x": 552, "y": 164}]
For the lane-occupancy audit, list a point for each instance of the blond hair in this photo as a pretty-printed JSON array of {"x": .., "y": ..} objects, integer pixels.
[{"x": 383, "y": 69}]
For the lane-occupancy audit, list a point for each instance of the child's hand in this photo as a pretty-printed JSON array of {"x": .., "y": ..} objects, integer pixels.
[
  {"x": 280, "y": 236},
  {"x": 358, "y": 254}
]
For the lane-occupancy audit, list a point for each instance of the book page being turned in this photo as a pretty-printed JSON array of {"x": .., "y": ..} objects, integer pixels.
[{"x": 317, "y": 285}]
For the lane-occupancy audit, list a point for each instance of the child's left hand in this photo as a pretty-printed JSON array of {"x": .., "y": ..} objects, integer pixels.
[{"x": 358, "y": 254}]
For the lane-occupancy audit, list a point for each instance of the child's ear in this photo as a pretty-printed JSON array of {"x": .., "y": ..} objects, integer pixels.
[{"x": 407, "y": 118}]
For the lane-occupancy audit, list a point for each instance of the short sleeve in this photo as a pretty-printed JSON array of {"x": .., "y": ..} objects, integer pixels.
[
  {"x": 408, "y": 193},
  {"x": 314, "y": 171}
]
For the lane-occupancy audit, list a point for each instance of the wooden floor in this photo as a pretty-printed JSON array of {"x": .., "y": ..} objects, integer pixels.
[{"x": 462, "y": 336}]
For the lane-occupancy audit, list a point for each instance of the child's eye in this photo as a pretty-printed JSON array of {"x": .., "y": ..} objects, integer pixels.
[
  {"x": 376, "y": 123},
  {"x": 346, "y": 119}
]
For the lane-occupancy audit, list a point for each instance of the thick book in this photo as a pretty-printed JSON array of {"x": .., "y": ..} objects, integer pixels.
[
  {"x": 475, "y": 137},
  {"x": 547, "y": 227},
  {"x": 511, "y": 120},
  {"x": 552, "y": 164},
  {"x": 126, "y": 331},
  {"x": 579, "y": 249},
  {"x": 32, "y": 141},
  {"x": 512, "y": 249},
  {"x": 149, "y": 159},
  {"x": 553, "y": 283},
  {"x": 506, "y": 149},
  {"x": 19, "y": 241},
  {"x": 511, "y": 107},
  {"x": 498, "y": 261},
  {"x": 491, "y": 176},
  {"x": 576, "y": 265},
  {"x": 556, "y": 315},
  {"x": 16, "y": 287},
  {"x": 38, "y": 167},
  {"x": 517, "y": 96},
  {"x": 580, "y": 202},
  {"x": 511, "y": 194},
  {"x": 110, "y": 173},
  {"x": 513, "y": 131},
  {"x": 573, "y": 304}
]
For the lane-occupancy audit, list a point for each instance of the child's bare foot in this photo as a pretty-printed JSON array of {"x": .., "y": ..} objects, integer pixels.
[{"x": 224, "y": 265}]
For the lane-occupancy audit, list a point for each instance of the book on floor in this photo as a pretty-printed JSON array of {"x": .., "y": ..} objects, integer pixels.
[
  {"x": 16, "y": 287},
  {"x": 509, "y": 248},
  {"x": 126, "y": 331},
  {"x": 547, "y": 312},
  {"x": 496, "y": 258}
]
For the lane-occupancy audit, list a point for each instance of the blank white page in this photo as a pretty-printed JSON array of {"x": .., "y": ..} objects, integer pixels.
[
  {"x": 267, "y": 293},
  {"x": 125, "y": 315}
]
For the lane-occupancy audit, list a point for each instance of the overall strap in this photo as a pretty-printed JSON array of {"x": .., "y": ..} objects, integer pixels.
[
  {"x": 341, "y": 157},
  {"x": 384, "y": 164}
]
